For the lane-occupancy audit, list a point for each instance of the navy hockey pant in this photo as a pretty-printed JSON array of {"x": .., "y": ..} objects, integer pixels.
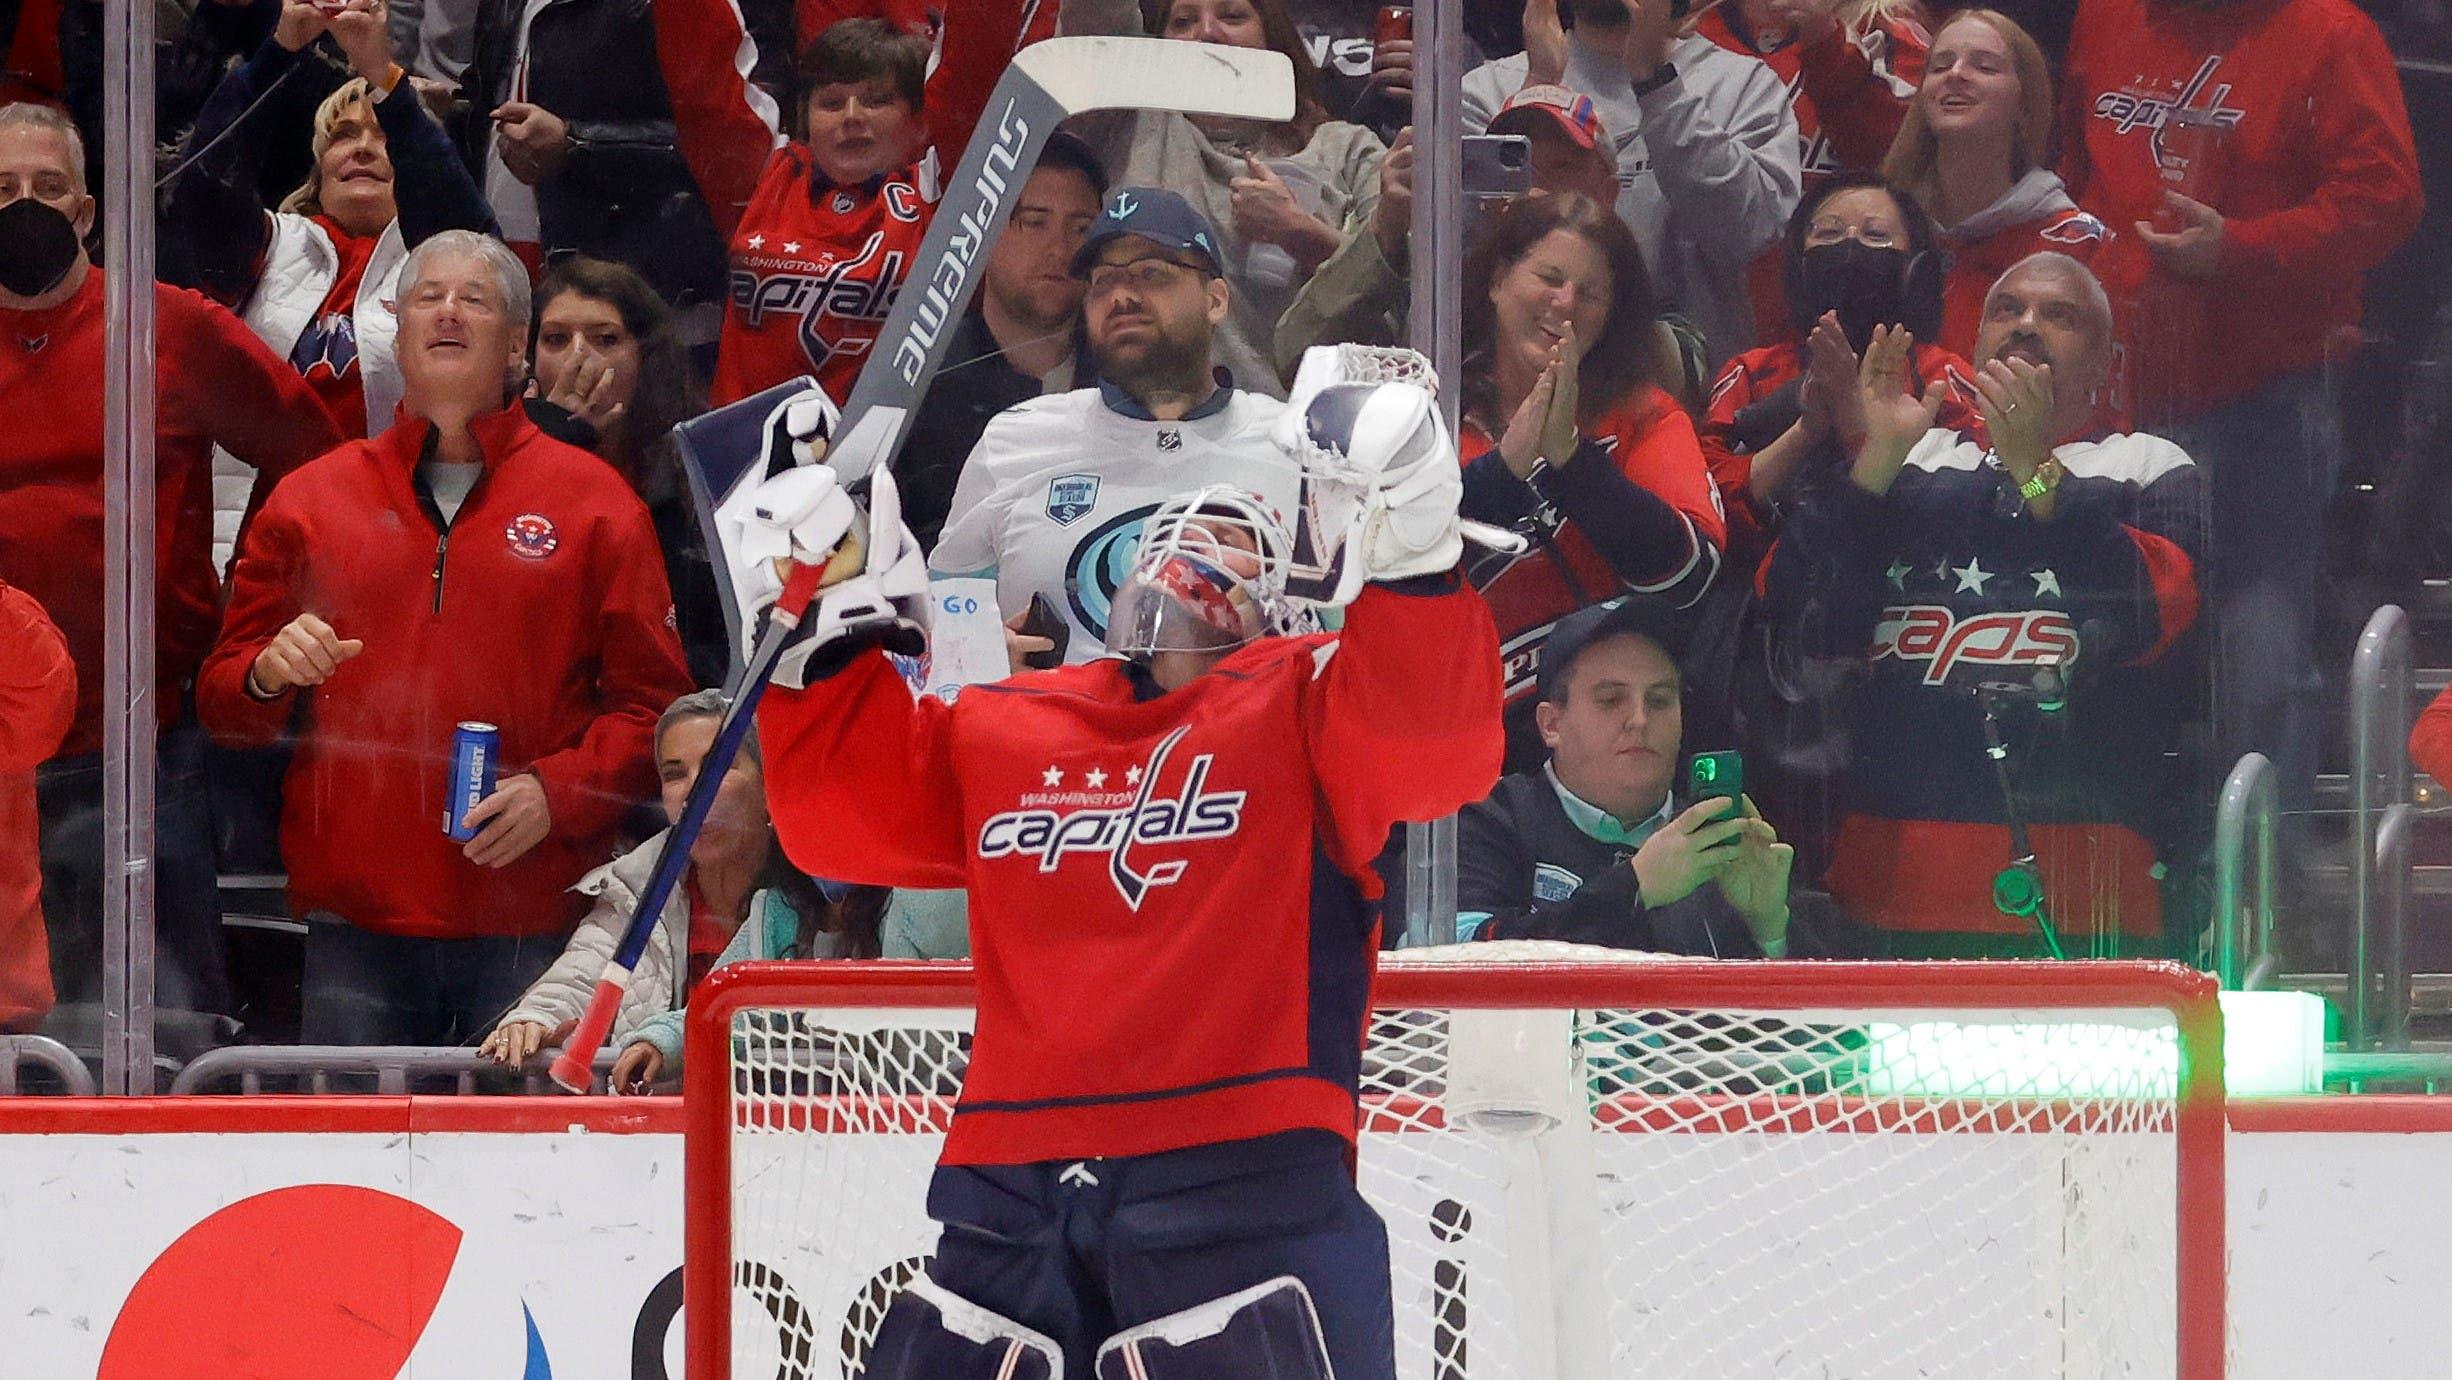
[{"x": 1082, "y": 1251}]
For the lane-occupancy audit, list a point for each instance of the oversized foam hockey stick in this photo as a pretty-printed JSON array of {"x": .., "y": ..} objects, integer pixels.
[{"x": 1044, "y": 84}]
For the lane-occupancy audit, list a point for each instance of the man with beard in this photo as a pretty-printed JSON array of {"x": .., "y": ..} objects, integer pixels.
[
  {"x": 1052, "y": 500},
  {"x": 1982, "y": 587}
]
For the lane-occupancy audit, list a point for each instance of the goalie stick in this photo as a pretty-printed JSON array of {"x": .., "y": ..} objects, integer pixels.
[{"x": 1045, "y": 83}]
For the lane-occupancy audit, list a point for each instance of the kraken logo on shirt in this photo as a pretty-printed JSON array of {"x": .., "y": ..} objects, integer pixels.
[
  {"x": 1099, "y": 564},
  {"x": 1143, "y": 818}
]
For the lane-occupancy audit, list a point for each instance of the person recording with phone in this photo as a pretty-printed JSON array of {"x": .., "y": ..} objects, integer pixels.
[
  {"x": 1705, "y": 142},
  {"x": 1545, "y": 141},
  {"x": 1594, "y": 847},
  {"x": 2004, "y": 607}
]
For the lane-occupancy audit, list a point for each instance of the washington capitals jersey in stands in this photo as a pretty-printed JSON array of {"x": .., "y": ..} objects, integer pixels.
[
  {"x": 1947, "y": 584},
  {"x": 1173, "y": 913},
  {"x": 815, "y": 266},
  {"x": 1634, "y": 509},
  {"x": 815, "y": 270},
  {"x": 1052, "y": 499}
]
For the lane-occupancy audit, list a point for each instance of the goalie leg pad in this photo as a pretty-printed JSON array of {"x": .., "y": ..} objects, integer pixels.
[
  {"x": 1269, "y": 1330},
  {"x": 931, "y": 1333}
]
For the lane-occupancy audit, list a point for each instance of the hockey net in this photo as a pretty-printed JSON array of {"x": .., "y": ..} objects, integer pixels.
[{"x": 1588, "y": 1168}]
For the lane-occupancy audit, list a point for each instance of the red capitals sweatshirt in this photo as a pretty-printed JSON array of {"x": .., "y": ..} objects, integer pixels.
[
  {"x": 2310, "y": 162},
  {"x": 540, "y": 607}
]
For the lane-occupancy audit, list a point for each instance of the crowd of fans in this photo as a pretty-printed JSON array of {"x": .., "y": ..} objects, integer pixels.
[{"x": 1936, "y": 413}]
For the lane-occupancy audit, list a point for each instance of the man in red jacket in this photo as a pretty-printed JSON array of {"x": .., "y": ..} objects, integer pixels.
[
  {"x": 38, "y": 698},
  {"x": 2259, "y": 152},
  {"x": 460, "y": 566},
  {"x": 216, "y": 385}
]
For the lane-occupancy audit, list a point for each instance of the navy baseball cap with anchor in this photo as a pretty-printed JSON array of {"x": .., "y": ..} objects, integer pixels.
[{"x": 1155, "y": 214}]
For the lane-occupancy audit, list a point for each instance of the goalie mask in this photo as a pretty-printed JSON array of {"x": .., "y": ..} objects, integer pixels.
[{"x": 1209, "y": 576}]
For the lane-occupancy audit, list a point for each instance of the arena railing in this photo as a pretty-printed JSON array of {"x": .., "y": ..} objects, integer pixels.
[
  {"x": 39, "y": 1051},
  {"x": 395, "y": 1069},
  {"x": 2245, "y": 826},
  {"x": 2381, "y": 821}
]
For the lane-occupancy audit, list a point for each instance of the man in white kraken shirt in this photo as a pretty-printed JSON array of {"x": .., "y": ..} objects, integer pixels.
[{"x": 1052, "y": 499}]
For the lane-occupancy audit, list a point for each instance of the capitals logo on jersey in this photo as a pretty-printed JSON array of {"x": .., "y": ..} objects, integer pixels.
[
  {"x": 1124, "y": 825},
  {"x": 1937, "y": 637},
  {"x": 2198, "y": 98},
  {"x": 823, "y": 294},
  {"x": 328, "y": 347}
]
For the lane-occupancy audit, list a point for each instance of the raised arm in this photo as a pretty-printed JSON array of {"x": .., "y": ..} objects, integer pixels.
[
  {"x": 212, "y": 206},
  {"x": 432, "y": 186},
  {"x": 1860, "y": 87},
  {"x": 726, "y": 125},
  {"x": 1403, "y": 715},
  {"x": 1729, "y": 167},
  {"x": 859, "y": 775}
]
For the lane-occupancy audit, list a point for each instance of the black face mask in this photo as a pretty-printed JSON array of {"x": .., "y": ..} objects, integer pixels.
[
  {"x": 1866, "y": 286},
  {"x": 38, "y": 246}
]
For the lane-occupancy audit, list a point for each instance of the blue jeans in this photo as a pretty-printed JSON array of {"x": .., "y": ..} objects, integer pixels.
[
  {"x": 2271, "y": 460},
  {"x": 363, "y": 988},
  {"x": 1132, "y": 1240},
  {"x": 190, "y": 971}
]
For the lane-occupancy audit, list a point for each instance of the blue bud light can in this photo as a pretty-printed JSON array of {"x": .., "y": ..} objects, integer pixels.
[{"x": 476, "y": 750}]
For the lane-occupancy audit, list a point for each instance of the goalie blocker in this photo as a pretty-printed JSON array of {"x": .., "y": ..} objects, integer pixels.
[{"x": 1166, "y": 850}]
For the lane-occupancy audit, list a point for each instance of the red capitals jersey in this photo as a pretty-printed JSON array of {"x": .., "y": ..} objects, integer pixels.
[
  {"x": 1173, "y": 913},
  {"x": 815, "y": 266},
  {"x": 1849, "y": 93},
  {"x": 1578, "y": 556},
  {"x": 815, "y": 270},
  {"x": 2295, "y": 132}
]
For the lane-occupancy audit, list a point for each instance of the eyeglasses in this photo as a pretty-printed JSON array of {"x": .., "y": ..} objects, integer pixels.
[
  {"x": 1144, "y": 275},
  {"x": 1823, "y": 232}
]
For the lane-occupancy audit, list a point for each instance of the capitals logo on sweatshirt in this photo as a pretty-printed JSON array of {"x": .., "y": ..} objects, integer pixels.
[{"x": 1124, "y": 825}]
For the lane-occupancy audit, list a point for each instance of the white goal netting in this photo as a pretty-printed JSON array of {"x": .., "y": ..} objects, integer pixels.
[{"x": 1587, "y": 1172}]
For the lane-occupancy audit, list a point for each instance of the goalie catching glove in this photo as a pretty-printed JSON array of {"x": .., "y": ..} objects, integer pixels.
[
  {"x": 874, "y": 585},
  {"x": 1381, "y": 484}
]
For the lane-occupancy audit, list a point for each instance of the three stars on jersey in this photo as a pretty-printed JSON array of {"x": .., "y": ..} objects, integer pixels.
[
  {"x": 1094, "y": 779},
  {"x": 1115, "y": 824}
]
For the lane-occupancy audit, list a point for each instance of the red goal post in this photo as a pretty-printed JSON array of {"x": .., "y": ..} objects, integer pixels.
[{"x": 1589, "y": 1168}]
